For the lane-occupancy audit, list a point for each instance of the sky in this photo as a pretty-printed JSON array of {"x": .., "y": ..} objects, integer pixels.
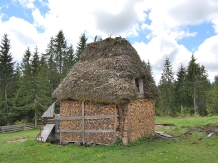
[{"x": 157, "y": 29}]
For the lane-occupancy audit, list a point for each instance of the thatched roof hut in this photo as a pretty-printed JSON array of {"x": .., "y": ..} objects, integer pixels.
[
  {"x": 108, "y": 95},
  {"x": 106, "y": 73}
]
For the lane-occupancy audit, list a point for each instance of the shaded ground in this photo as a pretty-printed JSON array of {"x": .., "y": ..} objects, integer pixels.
[
  {"x": 167, "y": 126},
  {"x": 210, "y": 130},
  {"x": 18, "y": 140}
]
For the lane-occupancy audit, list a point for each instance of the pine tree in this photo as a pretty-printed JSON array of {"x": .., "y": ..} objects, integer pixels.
[
  {"x": 69, "y": 60},
  {"x": 81, "y": 45},
  {"x": 6, "y": 76},
  {"x": 196, "y": 84},
  {"x": 49, "y": 57},
  {"x": 23, "y": 98},
  {"x": 166, "y": 89},
  {"x": 180, "y": 91},
  {"x": 60, "y": 48},
  {"x": 33, "y": 95},
  {"x": 212, "y": 98},
  {"x": 203, "y": 86},
  {"x": 42, "y": 92},
  {"x": 149, "y": 67}
]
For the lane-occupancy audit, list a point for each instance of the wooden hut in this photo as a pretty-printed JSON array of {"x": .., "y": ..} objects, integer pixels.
[{"x": 108, "y": 95}]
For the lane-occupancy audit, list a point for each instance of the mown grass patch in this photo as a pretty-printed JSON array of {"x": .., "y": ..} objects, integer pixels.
[
  {"x": 187, "y": 121},
  {"x": 191, "y": 147}
]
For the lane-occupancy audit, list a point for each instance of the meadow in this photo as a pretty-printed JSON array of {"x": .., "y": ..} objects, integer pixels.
[{"x": 190, "y": 144}]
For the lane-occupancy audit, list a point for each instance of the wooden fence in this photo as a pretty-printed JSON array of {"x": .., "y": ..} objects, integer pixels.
[{"x": 15, "y": 128}]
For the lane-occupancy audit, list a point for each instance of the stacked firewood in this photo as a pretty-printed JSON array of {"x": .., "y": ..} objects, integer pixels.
[
  {"x": 70, "y": 108},
  {"x": 103, "y": 125},
  {"x": 142, "y": 118},
  {"x": 99, "y": 138}
]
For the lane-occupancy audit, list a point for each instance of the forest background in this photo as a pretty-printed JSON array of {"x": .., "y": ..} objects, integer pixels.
[{"x": 26, "y": 86}]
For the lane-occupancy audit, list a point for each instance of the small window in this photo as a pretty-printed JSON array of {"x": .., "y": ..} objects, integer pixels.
[{"x": 139, "y": 85}]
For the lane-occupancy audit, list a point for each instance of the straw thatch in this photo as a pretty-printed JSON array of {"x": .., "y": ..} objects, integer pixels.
[{"x": 105, "y": 73}]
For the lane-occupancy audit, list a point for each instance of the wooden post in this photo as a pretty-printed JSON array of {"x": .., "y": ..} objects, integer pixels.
[
  {"x": 115, "y": 125},
  {"x": 128, "y": 123},
  {"x": 141, "y": 89},
  {"x": 121, "y": 122},
  {"x": 83, "y": 130}
]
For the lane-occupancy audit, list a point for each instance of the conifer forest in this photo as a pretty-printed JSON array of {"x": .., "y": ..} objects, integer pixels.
[{"x": 26, "y": 86}]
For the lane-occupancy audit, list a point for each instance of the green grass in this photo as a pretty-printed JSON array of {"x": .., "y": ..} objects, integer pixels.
[
  {"x": 188, "y": 121},
  {"x": 194, "y": 148}
]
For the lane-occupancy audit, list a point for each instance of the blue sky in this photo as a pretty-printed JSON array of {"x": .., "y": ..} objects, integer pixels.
[{"x": 157, "y": 29}]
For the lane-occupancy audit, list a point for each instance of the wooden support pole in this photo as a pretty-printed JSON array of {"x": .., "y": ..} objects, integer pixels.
[
  {"x": 128, "y": 123},
  {"x": 115, "y": 125},
  {"x": 83, "y": 130},
  {"x": 121, "y": 122}
]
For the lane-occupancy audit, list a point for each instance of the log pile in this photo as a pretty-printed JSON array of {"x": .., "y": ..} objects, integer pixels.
[
  {"x": 134, "y": 121},
  {"x": 67, "y": 111},
  {"x": 142, "y": 118},
  {"x": 93, "y": 120}
]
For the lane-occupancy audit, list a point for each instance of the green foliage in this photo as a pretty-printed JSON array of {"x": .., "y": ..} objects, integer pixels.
[
  {"x": 49, "y": 57},
  {"x": 166, "y": 87},
  {"x": 69, "y": 60},
  {"x": 6, "y": 80},
  {"x": 81, "y": 45},
  {"x": 33, "y": 95},
  {"x": 148, "y": 67},
  {"x": 187, "y": 95},
  {"x": 180, "y": 91},
  {"x": 212, "y": 98},
  {"x": 60, "y": 49},
  {"x": 197, "y": 85}
]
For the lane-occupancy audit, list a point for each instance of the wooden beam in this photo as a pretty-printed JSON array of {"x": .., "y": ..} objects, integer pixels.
[
  {"x": 83, "y": 129},
  {"x": 128, "y": 123},
  {"x": 86, "y": 117},
  {"x": 115, "y": 125},
  {"x": 86, "y": 131}
]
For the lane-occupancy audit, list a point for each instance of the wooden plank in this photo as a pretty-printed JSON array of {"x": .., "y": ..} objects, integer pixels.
[
  {"x": 83, "y": 128},
  {"x": 70, "y": 118},
  {"x": 115, "y": 125},
  {"x": 69, "y": 131},
  {"x": 86, "y": 117},
  {"x": 46, "y": 130},
  {"x": 86, "y": 131},
  {"x": 99, "y": 130},
  {"x": 164, "y": 134},
  {"x": 128, "y": 123}
]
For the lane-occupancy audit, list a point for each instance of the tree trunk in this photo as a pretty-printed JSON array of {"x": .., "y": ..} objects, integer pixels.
[
  {"x": 35, "y": 119},
  {"x": 6, "y": 105}
]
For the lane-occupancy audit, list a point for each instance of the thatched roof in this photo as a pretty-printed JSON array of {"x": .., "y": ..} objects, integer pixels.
[{"x": 105, "y": 73}]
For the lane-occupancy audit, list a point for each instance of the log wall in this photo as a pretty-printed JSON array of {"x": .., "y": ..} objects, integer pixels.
[
  {"x": 134, "y": 120},
  {"x": 71, "y": 109},
  {"x": 97, "y": 128},
  {"x": 141, "y": 117}
]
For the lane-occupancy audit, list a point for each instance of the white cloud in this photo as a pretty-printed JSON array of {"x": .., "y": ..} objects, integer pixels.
[
  {"x": 125, "y": 19},
  {"x": 158, "y": 49},
  {"x": 180, "y": 34},
  {"x": 169, "y": 19},
  {"x": 26, "y": 3},
  {"x": 207, "y": 55},
  {"x": 22, "y": 34},
  {"x": 215, "y": 24}
]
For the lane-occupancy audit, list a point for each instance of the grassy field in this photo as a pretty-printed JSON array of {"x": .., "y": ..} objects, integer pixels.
[{"x": 195, "y": 147}]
